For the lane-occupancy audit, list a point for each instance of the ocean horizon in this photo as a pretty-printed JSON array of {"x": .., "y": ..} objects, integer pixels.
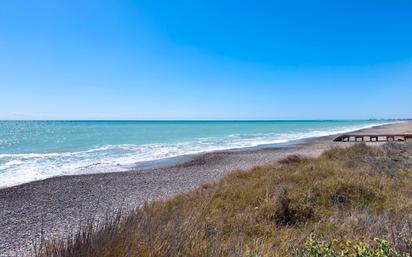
[{"x": 39, "y": 149}]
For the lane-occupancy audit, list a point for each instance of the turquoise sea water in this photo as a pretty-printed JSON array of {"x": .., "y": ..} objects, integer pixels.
[{"x": 35, "y": 150}]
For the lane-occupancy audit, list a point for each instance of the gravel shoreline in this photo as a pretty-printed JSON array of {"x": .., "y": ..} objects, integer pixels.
[{"x": 58, "y": 206}]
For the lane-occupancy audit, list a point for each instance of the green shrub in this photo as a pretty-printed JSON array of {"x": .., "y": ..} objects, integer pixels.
[{"x": 334, "y": 248}]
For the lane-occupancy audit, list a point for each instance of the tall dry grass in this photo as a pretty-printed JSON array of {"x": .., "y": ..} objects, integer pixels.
[{"x": 358, "y": 193}]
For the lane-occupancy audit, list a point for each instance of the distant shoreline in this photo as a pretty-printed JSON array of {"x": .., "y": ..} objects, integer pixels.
[
  {"x": 181, "y": 159},
  {"x": 60, "y": 204}
]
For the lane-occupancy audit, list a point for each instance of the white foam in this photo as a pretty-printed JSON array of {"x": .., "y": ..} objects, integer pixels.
[{"x": 21, "y": 168}]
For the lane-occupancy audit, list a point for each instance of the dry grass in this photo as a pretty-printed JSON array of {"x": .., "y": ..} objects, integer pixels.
[{"x": 357, "y": 193}]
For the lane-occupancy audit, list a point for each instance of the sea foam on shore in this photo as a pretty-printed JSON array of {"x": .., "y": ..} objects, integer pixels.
[{"x": 51, "y": 153}]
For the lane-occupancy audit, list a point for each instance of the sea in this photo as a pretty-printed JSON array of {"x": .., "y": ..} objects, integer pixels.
[{"x": 36, "y": 150}]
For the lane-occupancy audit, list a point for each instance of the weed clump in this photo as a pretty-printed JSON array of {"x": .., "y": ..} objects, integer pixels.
[
  {"x": 389, "y": 158},
  {"x": 378, "y": 248}
]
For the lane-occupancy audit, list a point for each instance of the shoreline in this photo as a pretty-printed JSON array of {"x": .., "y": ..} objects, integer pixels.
[
  {"x": 59, "y": 205},
  {"x": 171, "y": 161}
]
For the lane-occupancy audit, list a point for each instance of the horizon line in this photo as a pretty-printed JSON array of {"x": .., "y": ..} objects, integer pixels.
[{"x": 163, "y": 120}]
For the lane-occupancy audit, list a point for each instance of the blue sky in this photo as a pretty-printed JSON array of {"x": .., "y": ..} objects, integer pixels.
[{"x": 205, "y": 59}]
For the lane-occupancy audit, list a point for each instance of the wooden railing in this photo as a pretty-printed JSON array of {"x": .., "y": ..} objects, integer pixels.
[{"x": 372, "y": 138}]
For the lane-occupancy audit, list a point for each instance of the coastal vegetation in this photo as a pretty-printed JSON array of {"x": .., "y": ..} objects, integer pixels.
[{"x": 354, "y": 201}]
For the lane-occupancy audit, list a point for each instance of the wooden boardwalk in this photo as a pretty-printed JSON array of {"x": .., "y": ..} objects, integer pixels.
[{"x": 372, "y": 138}]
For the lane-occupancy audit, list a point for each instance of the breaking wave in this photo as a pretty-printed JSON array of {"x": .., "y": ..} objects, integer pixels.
[{"x": 21, "y": 168}]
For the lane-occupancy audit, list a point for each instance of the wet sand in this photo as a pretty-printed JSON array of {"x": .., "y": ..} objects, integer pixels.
[{"x": 58, "y": 206}]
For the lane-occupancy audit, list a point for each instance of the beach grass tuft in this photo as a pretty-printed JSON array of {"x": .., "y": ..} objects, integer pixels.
[{"x": 355, "y": 194}]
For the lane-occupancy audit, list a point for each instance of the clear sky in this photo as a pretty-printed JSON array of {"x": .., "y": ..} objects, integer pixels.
[{"x": 148, "y": 59}]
